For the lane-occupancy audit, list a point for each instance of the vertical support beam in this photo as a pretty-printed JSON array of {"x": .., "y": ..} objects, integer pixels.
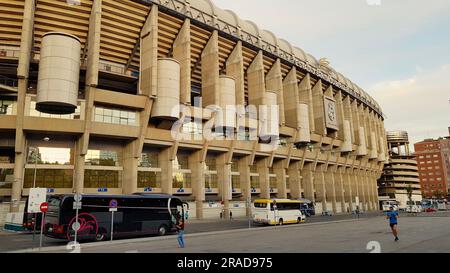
[
  {"x": 224, "y": 179},
  {"x": 197, "y": 166},
  {"x": 349, "y": 194},
  {"x": 340, "y": 114},
  {"x": 210, "y": 71},
  {"x": 291, "y": 99},
  {"x": 244, "y": 179},
  {"x": 274, "y": 82},
  {"x": 130, "y": 169},
  {"x": 330, "y": 185},
  {"x": 319, "y": 111},
  {"x": 295, "y": 181},
  {"x": 340, "y": 191},
  {"x": 93, "y": 56},
  {"x": 280, "y": 171},
  {"x": 235, "y": 69},
  {"x": 166, "y": 163},
  {"x": 182, "y": 53},
  {"x": 264, "y": 180},
  {"x": 348, "y": 115},
  {"x": 319, "y": 185},
  {"x": 149, "y": 55},
  {"x": 256, "y": 82},
  {"x": 26, "y": 43},
  {"x": 306, "y": 96},
  {"x": 308, "y": 181}
]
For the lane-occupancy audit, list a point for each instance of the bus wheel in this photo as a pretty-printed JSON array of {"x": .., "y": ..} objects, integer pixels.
[
  {"x": 162, "y": 230},
  {"x": 280, "y": 222},
  {"x": 101, "y": 235}
]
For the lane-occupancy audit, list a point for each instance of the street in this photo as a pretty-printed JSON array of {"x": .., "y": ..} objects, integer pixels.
[{"x": 337, "y": 234}]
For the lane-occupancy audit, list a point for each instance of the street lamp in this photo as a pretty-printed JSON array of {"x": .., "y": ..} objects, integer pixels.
[{"x": 35, "y": 154}]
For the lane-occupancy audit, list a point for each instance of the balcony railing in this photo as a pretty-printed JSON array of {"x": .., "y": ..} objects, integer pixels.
[{"x": 8, "y": 81}]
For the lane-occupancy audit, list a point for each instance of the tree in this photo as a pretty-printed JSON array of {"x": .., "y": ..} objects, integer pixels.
[{"x": 409, "y": 191}]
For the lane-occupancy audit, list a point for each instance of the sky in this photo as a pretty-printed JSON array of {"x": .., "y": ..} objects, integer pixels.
[{"x": 398, "y": 51}]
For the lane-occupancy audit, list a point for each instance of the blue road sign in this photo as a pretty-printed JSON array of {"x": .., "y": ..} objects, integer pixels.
[{"x": 113, "y": 203}]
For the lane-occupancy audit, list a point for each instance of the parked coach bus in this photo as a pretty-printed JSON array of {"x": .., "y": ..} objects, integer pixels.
[
  {"x": 278, "y": 211},
  {"x": 137, "y": 215}
]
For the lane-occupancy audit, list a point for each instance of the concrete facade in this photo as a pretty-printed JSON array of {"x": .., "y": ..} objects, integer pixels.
[{"x": 113, "y": 145}]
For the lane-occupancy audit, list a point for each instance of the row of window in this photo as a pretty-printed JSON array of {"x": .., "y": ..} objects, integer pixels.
[{"x": 115, "y": 116}]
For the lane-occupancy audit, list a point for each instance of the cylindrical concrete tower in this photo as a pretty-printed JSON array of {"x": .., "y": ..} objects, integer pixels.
[
  {"x": 227, "y": 102},
  {"x": 167, "y": 104},
  {"x": 303, "y": 122},
  {"x": 59, "y": 73}
]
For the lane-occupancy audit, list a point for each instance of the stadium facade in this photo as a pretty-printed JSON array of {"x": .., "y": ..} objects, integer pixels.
[{"x": 88, "y": 90}]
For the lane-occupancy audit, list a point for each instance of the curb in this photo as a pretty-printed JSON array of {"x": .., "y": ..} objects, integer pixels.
[{"x": 172, "y": 237}]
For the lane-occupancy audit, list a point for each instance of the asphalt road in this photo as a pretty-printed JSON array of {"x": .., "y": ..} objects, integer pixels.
[{"x": 14, "y": 241}]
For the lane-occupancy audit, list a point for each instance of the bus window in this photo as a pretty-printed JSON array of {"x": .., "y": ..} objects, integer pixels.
[{"x": 261, "y": 205}]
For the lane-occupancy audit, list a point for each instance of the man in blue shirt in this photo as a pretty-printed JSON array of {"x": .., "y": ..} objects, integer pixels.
[{"x": 393, "y": 222}]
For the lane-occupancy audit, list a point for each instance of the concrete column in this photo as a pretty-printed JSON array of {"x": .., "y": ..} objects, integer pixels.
[
  {"x": 235, "y": 69},
  {"x": 339, "y": 187},
  {"x": 264, "y": 180},
  {"x": 291, "y": 99},
  {"x": 361, "y": 190},
  {"x": 256, "y": 82},
  {"x": 197, "y": 167},
  {"x": 319, "y": 111},
  {"x": 93, "y": 58},
  {"x": 130, "y": 169},
  {"x": 295, "y": 180},
  {"x": 348, "y": 191},
  {"x": 149, "y": 55},
  {"x": 280, "y": 171},
  {"x": 355, "y": 187},
  {"x": 182, "y": 53},
  {"x": 340, "y": 114},
  {"x": 330, "y": 186},
  {"x": 348, "y": 115},
  {"x": 319, "y": 185},
  {"x": 274, "y": 82},
  {"x": 224, "y": 181},
  {"x": 210, "y": 72},
  {"x": 306, "y": 96},
  {"x": 308, "y": 181},
  {"x": 26, "y": 43},
  {"x": 166, "y": 163},
  {"x": 244, "y": 178}
]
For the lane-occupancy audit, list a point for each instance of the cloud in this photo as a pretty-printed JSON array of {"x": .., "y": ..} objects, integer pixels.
[{"x": 418, "y": 104}]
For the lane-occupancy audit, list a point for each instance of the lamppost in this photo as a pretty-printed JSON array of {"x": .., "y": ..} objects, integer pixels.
[{"x": 35, "y": 154}]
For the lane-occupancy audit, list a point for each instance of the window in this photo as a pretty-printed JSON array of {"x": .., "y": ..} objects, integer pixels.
[
  {"x": 115, "y": 116},
  {"x": 101, "y": 179},
  {"x": 181, "y": 162},
  {"x": 254, "y": 181},
  {"x": 193, "y": 127},
  {"x": 235, "y": 165},
  {"x": 8, "y": 107},
  {"x": 211, "y": 181},
  {"x": 49, "y": 178},
  {"x": 211, "y": 163},
  {"x": 273, "y": 182},
  {"x": 149, "y": 160},
  {"x": 50, "y": 156},
  {"x": 6, "y": 178},
  {"x": 182, "y": 180},
  {"x": 235, "y": 181},
  {"x": 103, "y": 158},
  {"x": 149, "y": 180},
  {"x": 254, "y": 169}
]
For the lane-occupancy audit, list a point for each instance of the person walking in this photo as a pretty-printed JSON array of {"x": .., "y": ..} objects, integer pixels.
[
  {"x": 180, "y": 228},
  {"x": 393, "y": 216}
]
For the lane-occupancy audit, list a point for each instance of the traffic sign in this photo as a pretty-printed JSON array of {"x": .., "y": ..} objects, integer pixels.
[
  {"x": 76, "y": 226},
  {"x": 77, "y": 197},
  {"x": 113, "y": 210},
  {"x": 113, "y": 203},
  {"x": 44, "y": 207}
]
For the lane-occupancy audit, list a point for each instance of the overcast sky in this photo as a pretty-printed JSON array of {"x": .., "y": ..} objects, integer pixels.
[{"x": 398, "y": 51}]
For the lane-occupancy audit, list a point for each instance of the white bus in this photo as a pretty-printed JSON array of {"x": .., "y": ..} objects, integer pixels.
[{"x": 278, "y": 212}]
